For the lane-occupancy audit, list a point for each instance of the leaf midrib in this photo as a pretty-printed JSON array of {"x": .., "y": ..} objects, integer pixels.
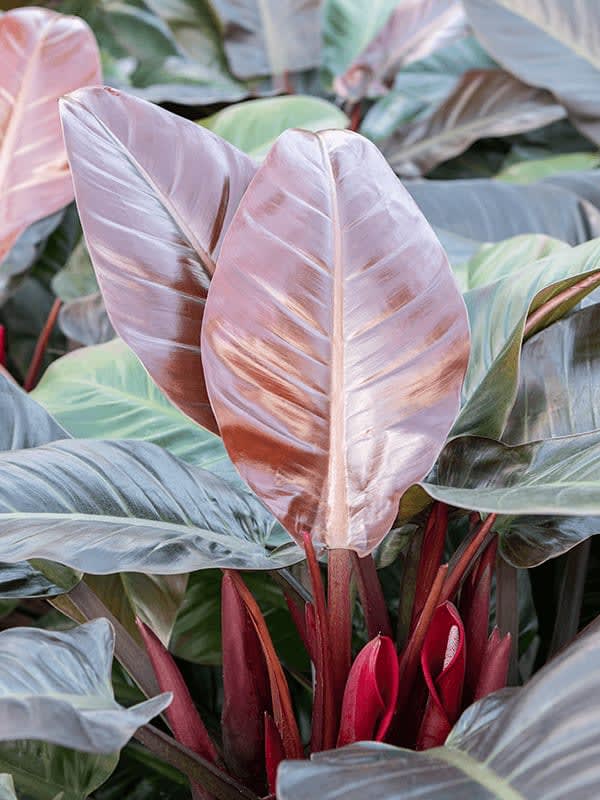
[{"x": 477, "y": 771}]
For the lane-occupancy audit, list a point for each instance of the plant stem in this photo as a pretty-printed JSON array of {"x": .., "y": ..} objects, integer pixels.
[
  {"x": 570, "y": 598},
  {"x": 507, "y": 613},
  {"x": 408, "y": 584},
  {"x": 291, "y": 586},
  {"x": 339, "y": 589},
  {"x": 197, "y": 769},
  {"x": 371, "y": 597},
  {"x": 465, "y": 558},
  {"x": 355, "y": 117},
  {"x": 33, "y": 372}
]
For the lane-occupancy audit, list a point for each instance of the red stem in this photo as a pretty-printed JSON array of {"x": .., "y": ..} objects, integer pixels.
[
  {"x": 432, "y": 551},
  {"x": 355, "y": 118},
  {"x": 371, "y": 598},
  {"x": 40, "y": 348},
  {"x": 339, "y": 580},
  {"x": 466, "y": 559}
]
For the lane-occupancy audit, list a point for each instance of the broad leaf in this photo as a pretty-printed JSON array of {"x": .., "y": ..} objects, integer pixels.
[
  {"x": 321, "y": 271},
  {"x": 85, "y": 320},
  {"x": 28, "y": 424},
  {"x": 155, "y": 194},
  {"x": 413, "y": 31},
  {"x": 25, "y": 580},
  {"x": 348, "y": 27},
  {"x": 463, "y": 206},
  {"x": 76, "y": 278},
  {"x": 254, "y": 126},
  {"x": 270, "y": 37},
  {"x": 420, "y": 87},
  {"x": 529, "y": 171},
  {"x": 55, "y": 687},
  {"x": 514, "y": 744},
  {"x": 106, "y": 507},
  {"x": 485, "y": 103},
  {"x": 104, "y": 392},
  {"x": 498, "y": 313},
  {"x": 44, "y": 55},
  {"x": 547, "y": 43}
]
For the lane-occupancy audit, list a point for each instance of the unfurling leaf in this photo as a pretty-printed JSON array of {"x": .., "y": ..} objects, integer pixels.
[
  {"x": 443, "y": 661},
  {"x": 155, "y": 194},
  {"x": 371, "y": 693},
  {"x": 44, "y": 55},
  {"x": 332, "y": 270},
  {"x": 494, "y": 665}
]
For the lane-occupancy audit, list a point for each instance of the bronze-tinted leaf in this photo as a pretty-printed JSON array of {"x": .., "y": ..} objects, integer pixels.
[
  {"x": 155, "y": 194},
  {"x": 335, "y": 339},
  {"x": 413, "y": 31},
  {"x": 43, "y": 55},
  {"x": 270, "y": 37},
  {"x": 484, "y": 103}
]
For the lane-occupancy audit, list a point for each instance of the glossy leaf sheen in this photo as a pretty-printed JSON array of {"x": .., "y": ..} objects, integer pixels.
[
  {"x": 44, "y": 55},
  {"x": 414, "y": 30},
  {"x": 484, "y": 103},
  {"x": 155, "y": 194},
  {"x": 358, "y": 365},
  {"x": 56, "y": 687},
  {"x": 27, "y": 424},
  {"x": 513, "y": 745},
  {"x": 106, "y": 507},
  {"x": 547, "y": 43}
]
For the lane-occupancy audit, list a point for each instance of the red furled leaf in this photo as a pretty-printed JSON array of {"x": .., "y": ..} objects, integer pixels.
[
  {"x": 246, "y": 690},
  {"x": 432, "y": 550},
  {"x": 274, "y": 752},
  {"x": 475, "y": 613},
  {"x": 443, "y": 663},
  {"x": 335, "y": 339},
  {"x": 371, "y": 693},
  {"x": 494, "y": 666},
  {"x": 156, "y": 194},
  {"x": 43, "y": 55},
  {"x": 182, "y": 715}
]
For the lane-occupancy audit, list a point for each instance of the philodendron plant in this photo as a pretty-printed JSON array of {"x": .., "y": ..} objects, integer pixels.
[{"x": 304, "y": 311}]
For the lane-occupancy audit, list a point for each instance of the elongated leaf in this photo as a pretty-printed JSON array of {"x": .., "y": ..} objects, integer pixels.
[
  {"x": 485, "y": 103},
  {"x": 326, "y": 270},
  {"x": 463, "y": 207},
  {"x": 105, "y": 507},
  {"x": 104, "y": 392},
  {"x": 27, "y": 424},
  {"x": 152, "y": 232},
  {"x": 533, "y": 170},
  {"x": 77, "y": 277},
  {"x": 550, "y": 44},
  {"x": 25, "y": 580},
  {"x": 85, "y": 320},
  {"x": 44, "y": 55},
  {"x": 514, "y": 744},
  {"x": 270, "y": 37},
  {"x": 55, "y": 687},
  {"x": 254, "y": 126},
  {"x": 413, "y": 31},
  {"x": 348, "y": 27},
  {"x": 498, "y": 313}
]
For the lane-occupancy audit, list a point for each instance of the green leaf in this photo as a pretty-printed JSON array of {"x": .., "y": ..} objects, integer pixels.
[
  {"x": 497, "y": 315},
  {"x": 43, "y": 771},
  {"x": 25, "y": 580},
  {"x": 542, "y": 741},
  {"x": 104, "y": 392},
  {"x": 55, "y": 687},
  {"x": 254, "y": 126},
  {"x": 530, "y": 171},
  {"x": 86, "y": 321},
  {"x": 105, "y": 507},
  {"x": 348, "y": 27},
  {"x": 77, "y": 277}
]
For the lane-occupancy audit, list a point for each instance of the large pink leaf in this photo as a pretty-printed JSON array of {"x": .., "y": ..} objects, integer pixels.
[
  {"x": 155, "y": 193},
  {"x": 43, "y": 55},
  {"x": 335, "y": 339}
]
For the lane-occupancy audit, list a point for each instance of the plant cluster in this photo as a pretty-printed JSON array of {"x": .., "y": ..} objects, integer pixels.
[{"x": 298, "y": 460}]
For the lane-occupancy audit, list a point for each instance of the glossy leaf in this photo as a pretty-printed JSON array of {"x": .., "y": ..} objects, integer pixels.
[
  {"x": 512, "y": 745},
  {"x": 85, "y": 320},
  {"x": 498, "y": 314},
  {"x": 326, "y": 400},
  {"x": 270, "y": 37},
  {"x": 153, "y": 237},
  {"x": 484, "y": 103},
  {"x": 44, "y": 55},
  {"x": 413, "y": 31},
  {"x": 550, "y": 44},
  {"x": 254, "y": 126},
  {"x": 55, "y": 687},
  {"x": 348, "y": 27},
  {"x": 104, "y": 392},
  {"x": 90, "y": 505},
  {"x": 462, "y": 206},
  {"x": 29, "y": 425}
]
